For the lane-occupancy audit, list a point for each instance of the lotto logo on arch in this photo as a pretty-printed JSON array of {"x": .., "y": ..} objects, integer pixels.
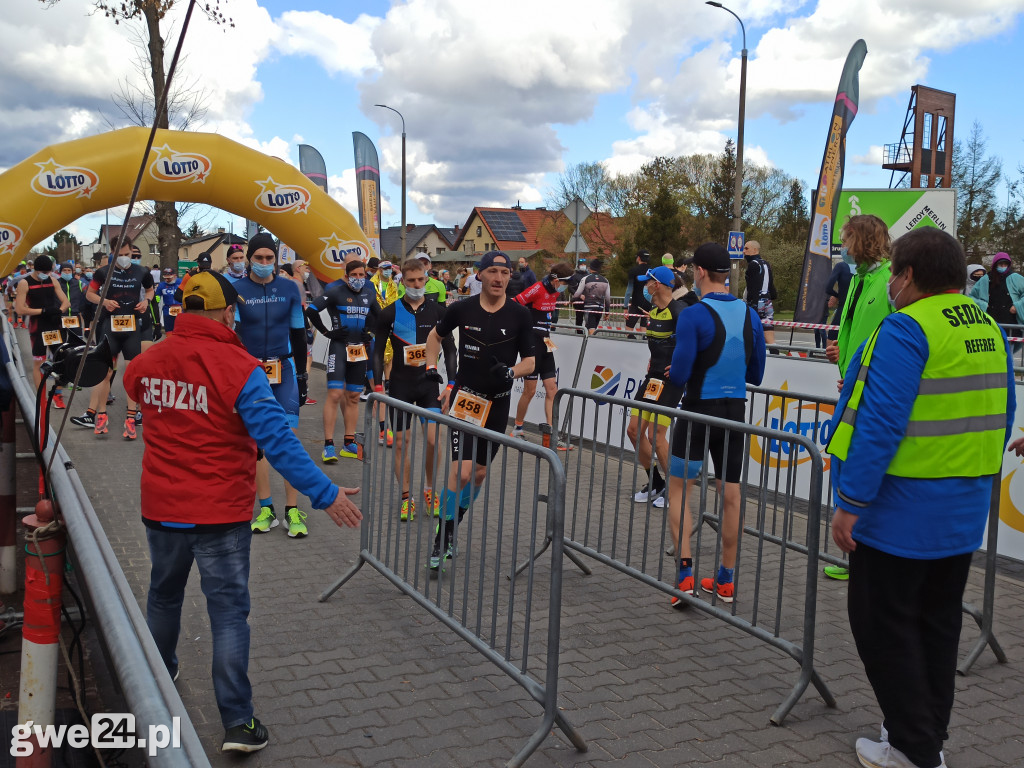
[
  {"x": 810, "y": 419},
  {"x": 56, "y": 180},
  {"x": 336, "y": 250},
  {"x": 10, "y": 236},
  {"x": 170, "y": 165},
  {"x": 605, "y": 381},
  {"x": 282, "y": 198}
]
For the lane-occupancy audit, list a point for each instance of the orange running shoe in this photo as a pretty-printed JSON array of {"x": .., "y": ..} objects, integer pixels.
[{"x": 686, "y": 586}]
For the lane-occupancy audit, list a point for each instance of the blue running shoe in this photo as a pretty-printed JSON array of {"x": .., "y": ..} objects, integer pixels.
[
  {"x": 329, "y": 456},
  {"x": 352, "y": 451}
]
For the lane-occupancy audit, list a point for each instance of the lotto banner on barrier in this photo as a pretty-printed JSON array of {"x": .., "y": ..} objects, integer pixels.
[{"x": 64, "y": 182}]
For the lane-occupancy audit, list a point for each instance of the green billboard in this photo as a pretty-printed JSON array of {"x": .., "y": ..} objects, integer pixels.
[{"x": 901, "y": 209}]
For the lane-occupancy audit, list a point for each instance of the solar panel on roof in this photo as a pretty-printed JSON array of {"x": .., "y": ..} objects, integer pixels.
[{"x": 506, "y": 225}]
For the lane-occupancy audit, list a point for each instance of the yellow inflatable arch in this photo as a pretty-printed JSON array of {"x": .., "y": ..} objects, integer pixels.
[{"x": 63, "y": 182}]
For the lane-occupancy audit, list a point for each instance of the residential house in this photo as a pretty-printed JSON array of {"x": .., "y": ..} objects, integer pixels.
[
  {"x": 419, "y": 238},
  {"x": 521, "y": 232},
  {"x": 143, "y": 232},
  {"x": 216, "y": 243}
]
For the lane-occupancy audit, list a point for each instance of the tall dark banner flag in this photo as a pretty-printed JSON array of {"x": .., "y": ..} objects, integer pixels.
[
  {"x": 367, "y": 187},
  {"x": 312, "y": 165},
  {"x": 810, "y": 303}
]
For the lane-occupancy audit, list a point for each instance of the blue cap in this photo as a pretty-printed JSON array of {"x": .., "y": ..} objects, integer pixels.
[
  {"x": 495, "y": 259},
  {"x": 663, "y": 275}
]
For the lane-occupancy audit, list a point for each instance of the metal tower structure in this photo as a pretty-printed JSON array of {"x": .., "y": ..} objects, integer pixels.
[{"x": 923, "y": 156}]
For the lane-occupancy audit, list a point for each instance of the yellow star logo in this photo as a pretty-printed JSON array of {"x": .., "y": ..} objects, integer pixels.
[
  {"x": 50, "y": 166},
  {"x": 269, "y": 185},
  {"x": 164, "y": 153},
  {"x": 333, "y": 242}
]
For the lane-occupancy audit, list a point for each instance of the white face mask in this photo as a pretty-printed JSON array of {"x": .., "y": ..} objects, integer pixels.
[
  {"x": 123, "y": 262},
  {"x": 415, "y": 293},
  {"x": 888, "y": 292},
  {"x": 238, "y": 267}
]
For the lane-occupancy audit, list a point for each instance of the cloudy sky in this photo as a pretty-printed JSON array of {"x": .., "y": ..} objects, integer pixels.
[{"x": 499, "y": 97}]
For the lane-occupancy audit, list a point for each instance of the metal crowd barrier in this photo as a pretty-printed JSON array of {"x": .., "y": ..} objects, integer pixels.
[
  {"x": 813, "y": 415},
  {"x": 130, "y": 650},
  {"x": 515, "y": 627},
  {"x": 604, "y": 522}
]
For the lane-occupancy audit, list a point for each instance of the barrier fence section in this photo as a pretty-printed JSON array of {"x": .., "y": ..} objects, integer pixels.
[
  {"x": 515, "y": 626},
  {"x": 613, "y": 520},
  {"x": 813, "y": 416},
  {"x": 140, "y": 672}
]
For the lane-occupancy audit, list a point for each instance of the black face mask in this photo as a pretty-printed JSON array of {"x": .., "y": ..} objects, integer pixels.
[{"x": 523, "y": 269}]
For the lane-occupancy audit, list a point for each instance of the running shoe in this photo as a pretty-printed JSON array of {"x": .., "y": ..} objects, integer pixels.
[
  {"x": 329, "y": 456},
  {"x": 685, "y": 586},
  {"x": 564, "y": 445},
  {"x": 408, "y": 510},
  {"x": 386, "y": 436},
  {"x": 837, "y": 572},
  {"x": 518, "y": 433},
  {"x": 138, "y": 417},
  {"x": 264, "y": 521},
  {"x": 111, "y": 398},
  {"x": 726, "y": 592},
  {"x": 247, "y": 737},
  {"x": 391, "y": 438},
  {"x": 310, "y": 401},
  {"x": 296, "y": 524},
  {"x": 85, "y": 420},
  {"x": 352, "y": 451},
  {"x": 644, "y": 494},
  {"x": 58, "y": 402},
  {"x": 100, "y": 427},
  {"x": 129, "y": 429},
  {"x": 364, "y": 397},
  {"x": 436, "y": 557},
  {"x": 660, "y": 501},
  {"x": 433, "y": 502}
]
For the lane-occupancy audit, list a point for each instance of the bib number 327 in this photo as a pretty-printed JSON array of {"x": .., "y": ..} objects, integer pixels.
[{"x": 471, "y": 408}]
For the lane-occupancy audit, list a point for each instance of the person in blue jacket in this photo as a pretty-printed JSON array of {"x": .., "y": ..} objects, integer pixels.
[
  {"x": 169, "y": 306},
  {"x": 720, "y": 348},
  {"x": 925, "y": 411}
]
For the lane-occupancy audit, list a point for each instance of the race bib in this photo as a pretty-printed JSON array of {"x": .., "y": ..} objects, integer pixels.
[
  {"x": 273, "y": 370},
  {"x": 654, "y": 389},
  {"x": 69, "y": 322},
  {"x": 52, "y": 338},
  {"x": 416, "y": 355},
  {"x": 174, "y": 311},
  {"x": 549, "y": 344},
  {"x": 471, "y": 408},
  {"x": 355, "y": 353},
  {"x": 122, "y": 323}
]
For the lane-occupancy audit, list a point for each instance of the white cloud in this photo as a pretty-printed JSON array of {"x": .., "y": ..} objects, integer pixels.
[
  {"x": 338, "y": 46},
  {"x": 873, "y": 157}
]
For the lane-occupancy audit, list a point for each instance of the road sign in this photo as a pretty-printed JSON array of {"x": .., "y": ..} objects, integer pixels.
[
  {"x": 576, "y": 212},
  {"x": 736, "y": 242},
  {"x": 576, "y": 243},
  {"x": 901, "y": 209}
]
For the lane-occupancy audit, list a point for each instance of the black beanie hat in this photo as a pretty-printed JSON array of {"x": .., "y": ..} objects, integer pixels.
[{"x": 262, "y": 240}]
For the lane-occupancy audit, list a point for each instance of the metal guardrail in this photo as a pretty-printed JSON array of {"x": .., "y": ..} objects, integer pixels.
[
  {"x": 143, "y": 679},
  {"x": 604, "y": 523},
  {"x": 814, "y": 415},
  {"x": 472, "y": 593}
]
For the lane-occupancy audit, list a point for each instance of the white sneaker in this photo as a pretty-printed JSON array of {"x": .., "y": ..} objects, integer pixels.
[
  {"x": 641, "y": 496},
  {"x": 882, "y": 754},
  {"x": 883, "y": 736},
  {"x": 660, "y": 501}
]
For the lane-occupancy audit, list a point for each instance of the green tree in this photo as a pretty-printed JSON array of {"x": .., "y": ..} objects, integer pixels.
[
  {"x": 193, "y": 231},
  {"x": 661, "y": 231},
  {"x": 719, "y": 202},
  {"x": 975, "y": 176},
  {"x": 794, "y": 218}
]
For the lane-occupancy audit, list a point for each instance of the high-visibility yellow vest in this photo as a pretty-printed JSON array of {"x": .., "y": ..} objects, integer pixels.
[{"x": 957, "y": 425}]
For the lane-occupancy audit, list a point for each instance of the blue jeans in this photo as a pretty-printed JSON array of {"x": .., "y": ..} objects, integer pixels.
[{"x": 223, "y": 560}]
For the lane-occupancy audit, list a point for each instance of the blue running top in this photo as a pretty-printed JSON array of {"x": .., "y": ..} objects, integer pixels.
[{"x": 268, "y": 315}]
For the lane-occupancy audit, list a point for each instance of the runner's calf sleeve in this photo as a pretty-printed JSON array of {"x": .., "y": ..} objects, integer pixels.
[{"x": 465, "y": 499}]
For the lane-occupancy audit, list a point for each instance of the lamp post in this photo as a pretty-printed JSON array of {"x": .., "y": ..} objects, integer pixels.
[
  {"x": 385, "y": 106},
  {"x": 737, "y": 197}
]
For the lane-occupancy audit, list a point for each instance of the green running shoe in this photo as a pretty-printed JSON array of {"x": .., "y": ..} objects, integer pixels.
[
  {"x": 837, "y": 572},
  {"x": 296, "y": 526},
  {"x": 264, "y": 521}
]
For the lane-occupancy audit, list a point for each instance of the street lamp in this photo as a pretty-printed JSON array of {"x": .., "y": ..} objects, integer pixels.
[
  {"x": 737, "y": 197},
  {"x": 385, "y": 106}
]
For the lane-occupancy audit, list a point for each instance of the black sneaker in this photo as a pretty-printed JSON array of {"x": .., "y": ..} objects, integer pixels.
[
  {"x": 111, "y": 398},
  {"x": 85, "y": 420},
  {"x": 247, "y": 737},
  {"x": 138, "y": 417}
]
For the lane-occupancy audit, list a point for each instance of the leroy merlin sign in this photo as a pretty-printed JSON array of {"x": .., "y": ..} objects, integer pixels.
[{"x": 901, "y": 209}]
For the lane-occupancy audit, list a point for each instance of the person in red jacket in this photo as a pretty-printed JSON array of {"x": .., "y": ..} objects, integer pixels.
[{"x": 207, "y": 405}]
